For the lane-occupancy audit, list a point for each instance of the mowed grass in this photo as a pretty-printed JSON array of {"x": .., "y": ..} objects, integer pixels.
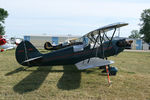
[{"x": 67, "y": 83}]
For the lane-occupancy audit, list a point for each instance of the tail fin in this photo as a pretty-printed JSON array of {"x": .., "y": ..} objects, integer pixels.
[{"x": 25, "y": 51}]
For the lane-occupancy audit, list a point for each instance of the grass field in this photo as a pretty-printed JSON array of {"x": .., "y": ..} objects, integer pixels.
[{"x": 67, "y": 83}]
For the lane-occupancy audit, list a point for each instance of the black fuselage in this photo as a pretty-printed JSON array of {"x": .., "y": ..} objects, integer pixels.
[{"x": 69, "y": 55}]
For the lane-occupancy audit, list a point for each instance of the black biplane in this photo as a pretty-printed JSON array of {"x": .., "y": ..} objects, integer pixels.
[{"x": 89, "y": 54}]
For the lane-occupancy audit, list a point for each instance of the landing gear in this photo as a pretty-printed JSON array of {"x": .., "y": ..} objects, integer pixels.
[{"x": 112, "y": 70}]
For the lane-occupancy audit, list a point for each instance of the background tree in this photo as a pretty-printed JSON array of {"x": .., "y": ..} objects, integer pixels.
[
  {"x": 135, "y": 34},
  {"x": 145, "y": 25},
  {"x": 3, "y": 15}
]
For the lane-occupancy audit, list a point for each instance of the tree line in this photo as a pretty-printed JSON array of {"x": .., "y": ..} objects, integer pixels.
[
  {"x": 3, "y": 16},
  {"x": 144, "y": 31}
]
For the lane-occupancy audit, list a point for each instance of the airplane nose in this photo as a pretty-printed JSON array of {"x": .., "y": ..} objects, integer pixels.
[
  {"x": 124, "y": 43},
  {"x": 128, "y": 43}
]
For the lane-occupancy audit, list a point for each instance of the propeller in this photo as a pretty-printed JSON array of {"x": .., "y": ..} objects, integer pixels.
[{"x": 124, "y": 43}]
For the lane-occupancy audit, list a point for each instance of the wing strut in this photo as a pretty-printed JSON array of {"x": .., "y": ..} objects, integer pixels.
[
  {"x": 105, "y": 35},
  {"x": 101, "y": 41},
  {"x": 92, "y": 39},
  {"x": 94, "y": 45},
  {"x": 112, "y": 37}
]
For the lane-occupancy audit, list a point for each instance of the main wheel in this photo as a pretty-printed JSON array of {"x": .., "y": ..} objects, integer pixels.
[{"x": 113, "y": 71}]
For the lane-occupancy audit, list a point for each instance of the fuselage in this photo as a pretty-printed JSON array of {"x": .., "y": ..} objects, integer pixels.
[{"x": 77, "y": 53}]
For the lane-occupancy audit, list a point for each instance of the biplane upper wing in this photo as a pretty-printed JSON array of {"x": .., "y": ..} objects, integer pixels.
[
  {"x": 106, "y": 28},
  {"x": 94, "y": 62}
]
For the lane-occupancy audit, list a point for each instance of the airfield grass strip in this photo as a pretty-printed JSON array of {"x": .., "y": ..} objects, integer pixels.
[{"x": 132, "y": 82}]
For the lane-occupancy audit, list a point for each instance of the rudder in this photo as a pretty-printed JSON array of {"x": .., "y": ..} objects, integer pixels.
[{"x": 24, "y": 51}]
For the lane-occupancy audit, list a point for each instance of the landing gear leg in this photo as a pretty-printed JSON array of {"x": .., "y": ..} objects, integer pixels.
[{"x": 109, "y": 82}]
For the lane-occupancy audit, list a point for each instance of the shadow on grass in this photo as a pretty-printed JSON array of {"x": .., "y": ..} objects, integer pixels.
[
  {"x": 28, "y": 70},
  {"x": 33, "y": 81},
  {"x": 15, "y": 71},
  {"x": 71, "y": 78}
]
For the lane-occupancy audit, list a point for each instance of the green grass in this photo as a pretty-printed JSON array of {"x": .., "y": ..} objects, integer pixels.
[{"x": 67, "y": 83}]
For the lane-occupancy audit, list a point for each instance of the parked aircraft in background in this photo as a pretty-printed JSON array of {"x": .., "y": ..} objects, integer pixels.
[
  {"x": 70, "y": 42},
  {"x": 7, "y": 45}
]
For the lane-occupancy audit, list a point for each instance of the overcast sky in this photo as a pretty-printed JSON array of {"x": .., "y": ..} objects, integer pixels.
[{"x": 76, "y": 17}]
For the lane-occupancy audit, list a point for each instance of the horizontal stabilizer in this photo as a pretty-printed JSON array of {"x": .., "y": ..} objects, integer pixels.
[
  {"x": 32, "y": 59},
  {"x": 94, "y": 62}
]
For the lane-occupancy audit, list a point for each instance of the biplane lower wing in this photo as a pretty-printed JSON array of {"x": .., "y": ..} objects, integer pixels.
[{"x": 94, "y": 62}]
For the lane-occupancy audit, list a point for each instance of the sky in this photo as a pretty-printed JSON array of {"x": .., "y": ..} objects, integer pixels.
[{"x": 73, "y": 17}]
